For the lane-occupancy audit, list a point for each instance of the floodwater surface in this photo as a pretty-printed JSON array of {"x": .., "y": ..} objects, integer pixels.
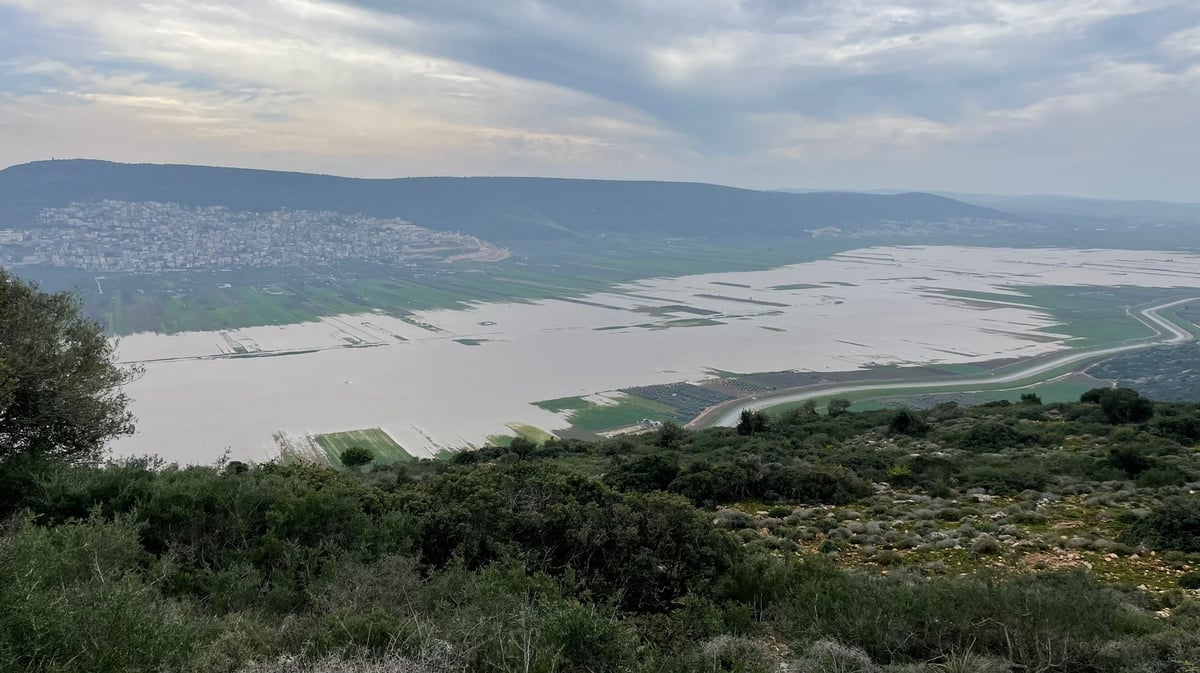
[{"x": 448, "y": 379}]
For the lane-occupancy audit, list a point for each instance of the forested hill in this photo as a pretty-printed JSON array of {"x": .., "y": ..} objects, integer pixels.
[{"x": 494, "y": 208}]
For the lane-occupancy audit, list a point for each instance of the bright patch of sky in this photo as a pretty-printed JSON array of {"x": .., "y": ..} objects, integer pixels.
[{"x": 1089, "y": 97}]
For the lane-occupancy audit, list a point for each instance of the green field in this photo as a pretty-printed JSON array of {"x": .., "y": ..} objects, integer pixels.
[
  {"x": 210, "y": 300},
  {"x": 629, "y": 410},
  {"x": 563, "y": 404},
  {"x": 386, "y": 450},
  {"x": 1062, "y": 390},
  {"x": 1089, "y": 315},
  {"x": 1061, "y": 384},
  {"x": 533, "y": 434}
]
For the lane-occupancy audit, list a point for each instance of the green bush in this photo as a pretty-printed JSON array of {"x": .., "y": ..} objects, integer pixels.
[
  {"x": 363, "y": 631},
  {"x": 81, "y": 597},
  {"x": 1173, "y": 525},
  {"x": 1034, "y": 621}
]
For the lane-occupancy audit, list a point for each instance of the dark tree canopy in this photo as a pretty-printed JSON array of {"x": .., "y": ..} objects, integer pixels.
[
  {"x": 1120, "y": 405},
  {"x": 60, "y": 388},
  {"x": 907, "y": 422},
  {"x": 1174, "y": 525},
  {"x": 356, "y": 456},
  {"x": 670, "y": 434},
  {"x": 752, "y": 422},
  {"x": 837, "y": 407}
]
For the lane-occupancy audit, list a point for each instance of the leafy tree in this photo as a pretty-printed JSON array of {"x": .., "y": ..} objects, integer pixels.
[
  {"x": 1130, "y": 459},
  {"x": 60, "y": 387},
  {"x": 1124, "y": 405},
  {"x": 752, "y": 422},
  {"x": 356, "y": 456},
  {"x": 522, "y": 447},
  {"x": 1120, "y": 405},
  {"x": 837, "y": 407},
  {"x": 1031, "y": 398},
  {"x": 670, "y": 434},
  {"x": 906, "y": 422}
]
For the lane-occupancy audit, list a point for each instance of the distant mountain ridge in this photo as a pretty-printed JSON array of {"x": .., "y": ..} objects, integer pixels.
[
  {"x": 1142, "y": 210},
  {"x": 497, "y": 208},
  {"x": 1056, "y": 205}
]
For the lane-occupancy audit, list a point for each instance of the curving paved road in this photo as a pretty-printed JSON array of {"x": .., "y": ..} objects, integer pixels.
[{"x": 1166, "y": 332}]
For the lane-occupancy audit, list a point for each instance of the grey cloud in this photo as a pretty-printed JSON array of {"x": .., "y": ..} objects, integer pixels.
[
  {"x": 757, "y": 92},
  {"x": 601, "y": 48}
]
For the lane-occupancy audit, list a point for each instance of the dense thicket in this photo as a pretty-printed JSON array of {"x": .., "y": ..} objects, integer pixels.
[{"x": 578, "y": 556}]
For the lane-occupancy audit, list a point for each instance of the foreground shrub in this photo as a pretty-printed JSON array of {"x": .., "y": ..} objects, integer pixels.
[
  {"x": 436, "y": 660},
  {"x": 827, "y": 656},
  {"x": 1173, "y": 525},
  {"x": 75, "y": 598},
  {"x": 739, "y": 655},
  {"x": 1057, "y": 621}
]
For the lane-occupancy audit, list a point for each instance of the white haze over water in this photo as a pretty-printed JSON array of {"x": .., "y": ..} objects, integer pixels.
[{"x": 873, "y": 306}]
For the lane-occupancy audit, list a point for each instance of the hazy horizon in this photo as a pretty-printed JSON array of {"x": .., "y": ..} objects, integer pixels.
[
  {"x": 1092, "y": 99},
  {"x": 795, "y": 189}
]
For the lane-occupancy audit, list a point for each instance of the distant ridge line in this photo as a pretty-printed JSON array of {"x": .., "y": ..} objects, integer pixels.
[{"x": 494, "y": 208}]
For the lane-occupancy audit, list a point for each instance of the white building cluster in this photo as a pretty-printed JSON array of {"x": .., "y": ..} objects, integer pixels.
[{"x": 147, "y": 237}]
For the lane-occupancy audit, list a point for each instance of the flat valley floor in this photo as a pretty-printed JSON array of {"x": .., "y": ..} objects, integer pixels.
[{"x": 447, "y": 379}]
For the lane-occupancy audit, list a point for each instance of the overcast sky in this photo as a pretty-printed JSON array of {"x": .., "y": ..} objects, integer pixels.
[{"x": 1087, "y": 97}]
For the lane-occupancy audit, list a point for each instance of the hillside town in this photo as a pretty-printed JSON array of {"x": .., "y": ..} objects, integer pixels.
[{"x": 149, "y": 237}]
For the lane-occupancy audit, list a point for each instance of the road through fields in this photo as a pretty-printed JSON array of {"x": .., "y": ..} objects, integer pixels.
[{"x": 1166, "y": 332}]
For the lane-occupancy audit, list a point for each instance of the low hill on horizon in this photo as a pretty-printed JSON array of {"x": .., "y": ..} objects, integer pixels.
[
  {"x": 497, "y": 208},
  {"x": 1139, "y": 210},
  {"x": 1074, "y": 208}
]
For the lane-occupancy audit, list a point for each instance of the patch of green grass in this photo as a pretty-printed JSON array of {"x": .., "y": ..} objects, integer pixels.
[
  {"x": 1058, "y": 385},
  {"x": 386, "y": 450},
  {"x": 1065, "y": 390},
  {"x": 563, "y": 404},
  {"x": 629, "y": 410},
  {"x": 209, "y": 300},
  {"x": 1088, "y": 315},
  {"x": 533, "y": 434}
]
